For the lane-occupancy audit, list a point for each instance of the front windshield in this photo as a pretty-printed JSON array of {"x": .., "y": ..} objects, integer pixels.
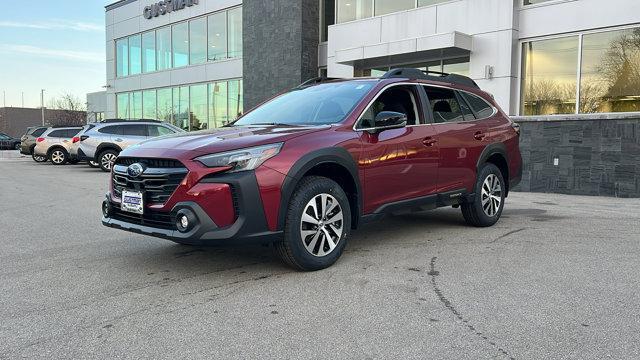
[{"x": 315, "y": 105}]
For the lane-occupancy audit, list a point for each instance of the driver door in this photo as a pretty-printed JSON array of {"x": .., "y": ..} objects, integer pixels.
[{"x": 399, "y": 164}]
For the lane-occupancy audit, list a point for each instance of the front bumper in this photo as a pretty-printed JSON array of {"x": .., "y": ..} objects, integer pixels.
[{"x": 250, "y": 225}]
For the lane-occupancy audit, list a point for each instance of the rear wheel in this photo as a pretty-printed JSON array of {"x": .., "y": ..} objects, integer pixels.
[
  {"x": 106, "y": 160},
  {"x": 93, "y": 164},
  {"x": 317, "y": 225},
  {"x": 58, "y": 156},
  {"x": 488, "y": 203},
  {"x": 37, "y": 158}
]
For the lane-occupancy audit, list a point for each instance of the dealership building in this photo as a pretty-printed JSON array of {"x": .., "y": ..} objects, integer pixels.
[{"x": 568, "y": 70}]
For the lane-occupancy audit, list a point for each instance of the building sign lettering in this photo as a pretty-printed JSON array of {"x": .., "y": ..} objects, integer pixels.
[{"x": 166, "y": 6}]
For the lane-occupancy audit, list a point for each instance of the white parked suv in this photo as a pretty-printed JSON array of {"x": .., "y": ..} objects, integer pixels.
[
  {"x": 102, "y": 142},
  {"x": 54, "y": 144}
]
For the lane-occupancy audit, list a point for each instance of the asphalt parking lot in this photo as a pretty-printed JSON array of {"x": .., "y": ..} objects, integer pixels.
[{"x": 556, "y": 278}]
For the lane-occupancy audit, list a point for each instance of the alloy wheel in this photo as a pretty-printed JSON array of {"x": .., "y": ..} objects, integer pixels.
[
  {"x": 57, "y": 157},
  {"x": 322, "y": 225},
  {"x": 107, "y": 160},
  {"x": 39, "y": 158},
  {"x": 491, "y": 195}
]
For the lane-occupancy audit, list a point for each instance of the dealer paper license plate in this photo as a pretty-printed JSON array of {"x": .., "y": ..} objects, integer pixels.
[{"x": 132, "y": 202}]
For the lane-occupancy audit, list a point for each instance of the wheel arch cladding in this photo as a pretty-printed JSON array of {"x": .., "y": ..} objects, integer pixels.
[
  {"x": 55, "y": 147},
  {"x": 496, "y": 154},
  {"x": 107, "y": 146},
  {"x": 334, "y": 163}
]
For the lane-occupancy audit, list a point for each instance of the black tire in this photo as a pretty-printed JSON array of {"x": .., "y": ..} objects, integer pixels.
[
  {"x": 292, "y": 250},
  {"x": 38, "y": 158},
  {"x": 58, "y": 156},
  {"x": 102, "y": 159},
  {"x": 487, "y": 214},
  {"x": 16, "y": 146},
  {"x": 93, "y": 164}
]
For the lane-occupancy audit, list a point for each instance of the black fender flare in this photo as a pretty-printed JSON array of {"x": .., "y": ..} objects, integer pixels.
[
  {"x": 105, "y": 146},
  {"x": 489, "y": 151},
  {"x": 50, "y": 150},
  {"x": 335, "y": 155}
]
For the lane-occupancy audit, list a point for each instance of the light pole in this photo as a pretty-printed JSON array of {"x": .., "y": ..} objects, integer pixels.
[{"x": 42, "y": 104}]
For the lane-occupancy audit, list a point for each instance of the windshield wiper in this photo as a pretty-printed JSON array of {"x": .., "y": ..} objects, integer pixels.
[{"x": 270, "y": 124}]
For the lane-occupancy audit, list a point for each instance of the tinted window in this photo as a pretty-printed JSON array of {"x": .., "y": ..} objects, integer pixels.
[
  {"x": 72, "y": 132},
  {"x": 3, "y": 136},
  {"x": 58, "y": 134},
  {"x": 39, "y": 132},
  {"x": 157, "y": 130},
  {"x": 444, "y": 105},
  {"x": 481, "y": 108},
  {"x": 466, "y": 110},
  {"x": 397, "y": 99},
  {"x": 135, "y": 130},
  {"x": 113, "y": 130}
]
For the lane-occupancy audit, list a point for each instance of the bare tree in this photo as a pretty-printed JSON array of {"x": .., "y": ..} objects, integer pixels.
[
  {"x": 71, "y": 110},
  {"x": 67, "y": 101}
]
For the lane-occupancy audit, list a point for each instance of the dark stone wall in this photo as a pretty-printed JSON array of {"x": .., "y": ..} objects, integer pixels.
[
  {"x": 280, "y": 46},
  {"x": 595, "y": 156}
]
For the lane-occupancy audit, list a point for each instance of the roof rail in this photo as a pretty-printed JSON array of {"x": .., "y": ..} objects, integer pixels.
[
  {"x": 105, "y": 121},
  {"x": 318, "y": 80},
  {"x": 411, "y": 73},
  {"x": 60, "y": 126}
]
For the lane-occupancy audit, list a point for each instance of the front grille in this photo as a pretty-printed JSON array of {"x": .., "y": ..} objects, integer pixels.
[
  {"x": 151, "y": 218},
  {"x": 157, "y": 182}
]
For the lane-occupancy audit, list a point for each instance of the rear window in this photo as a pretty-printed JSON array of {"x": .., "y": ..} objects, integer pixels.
[
  {"x": 113, "y": 130},
  {"x": 38, "y": 132}
]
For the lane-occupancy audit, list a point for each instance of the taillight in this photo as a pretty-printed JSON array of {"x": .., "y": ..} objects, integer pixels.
[
  {"x": 40, "y": 139},
  {"x": 75, "y": 139}
]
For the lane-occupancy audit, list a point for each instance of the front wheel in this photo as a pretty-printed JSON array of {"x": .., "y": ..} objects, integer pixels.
[
  {"x": 488, "y": 203},
  {"x": 107, "y": 159},
  {"x": 317, "y": 225}
]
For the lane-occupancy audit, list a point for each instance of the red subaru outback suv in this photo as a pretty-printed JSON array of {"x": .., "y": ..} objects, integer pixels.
[{"x": 305, "y": 168}]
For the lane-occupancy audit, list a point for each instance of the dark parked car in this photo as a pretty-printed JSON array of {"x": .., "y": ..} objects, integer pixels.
[
  {"x": 305, "y": 168},
  {"x": 28, "y": 142},
  {"x": 9, "y": 143}
]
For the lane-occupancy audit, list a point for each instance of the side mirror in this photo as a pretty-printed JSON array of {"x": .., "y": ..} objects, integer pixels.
[{"x": 387, "y": 120}]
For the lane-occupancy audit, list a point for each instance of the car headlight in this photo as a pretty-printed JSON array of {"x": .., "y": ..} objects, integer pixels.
[{"x": 242, "y": 159}]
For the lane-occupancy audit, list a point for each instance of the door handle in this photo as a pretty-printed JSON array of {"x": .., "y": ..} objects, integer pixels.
[
  {"x": 479, "y": 135},
  {"x": 429, "y": 141}
]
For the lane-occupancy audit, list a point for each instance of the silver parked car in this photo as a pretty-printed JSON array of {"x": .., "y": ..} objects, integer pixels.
[
  {"x": 54, "y": 144},
  {"x": 28, "y": 142},
  {"x": 102, "y": 142}
]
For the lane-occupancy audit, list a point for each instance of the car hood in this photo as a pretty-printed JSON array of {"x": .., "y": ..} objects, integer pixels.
[{"x": 217, "y": 140}]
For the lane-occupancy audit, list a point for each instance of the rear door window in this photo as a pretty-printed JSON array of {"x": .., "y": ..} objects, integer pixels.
[
  {"x": 444, "y": 105},
  {"x": 480, "y": 107},
  {"x": 57, "y": 134},
  {"x": 112, "y": 130},
  {"x": 135, "y": 130}
]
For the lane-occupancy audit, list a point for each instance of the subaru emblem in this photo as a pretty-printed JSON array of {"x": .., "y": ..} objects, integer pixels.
[{"x": 135, "y": 170}]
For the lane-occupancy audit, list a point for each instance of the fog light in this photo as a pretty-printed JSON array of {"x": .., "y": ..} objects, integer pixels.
[
  {"x": 185, "y": 220},
  {"x": 106, "y": 208}
]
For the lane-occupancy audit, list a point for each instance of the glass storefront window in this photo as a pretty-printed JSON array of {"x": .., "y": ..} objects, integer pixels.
[
  {"x": 180, "y": 44},
  {"x": 149, "y": 52},
  {"x": 458, "y": 66},
  {"x": 430, "y": 2},
  {"x": 235, "y": 99},
  {"x": 217, "y": 36},
  {"x": 149, "y": 105},
  {"x": 549, "y": 76},
  {"x": 122, "y": 57},
  {"x": 610, "y": 72},
  {"x": 328, "y": 17},
  {"x": 165, "y": 105},
  {"x": 181, "y": 107},
  {"x": 218, "y": 113},
  {"x": 135, "y": 55},
  {"x": 383, "y": 7},
  {"x": 163, "y": 48},
  {"x": 234, "y": 23},
  {"x": 135, "y": 107},
  {"x": 348, "y": 10},
  {"x": 198, "y": 41},
  {"x": 198, "y": 107},
  {"x": 122, "y": 101}
]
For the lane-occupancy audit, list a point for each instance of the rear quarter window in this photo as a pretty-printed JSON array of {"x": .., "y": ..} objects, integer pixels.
[
  {"x": 38, "y": 132},
  {"x": 480, "y": 107}
]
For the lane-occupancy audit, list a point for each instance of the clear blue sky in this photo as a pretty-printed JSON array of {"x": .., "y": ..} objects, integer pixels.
[{"x": 57, "y": 45}]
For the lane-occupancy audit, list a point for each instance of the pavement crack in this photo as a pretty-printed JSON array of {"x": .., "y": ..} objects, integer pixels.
[
  {"x": 461, "y": 319},
  {"x": 507, "y": 234}
]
